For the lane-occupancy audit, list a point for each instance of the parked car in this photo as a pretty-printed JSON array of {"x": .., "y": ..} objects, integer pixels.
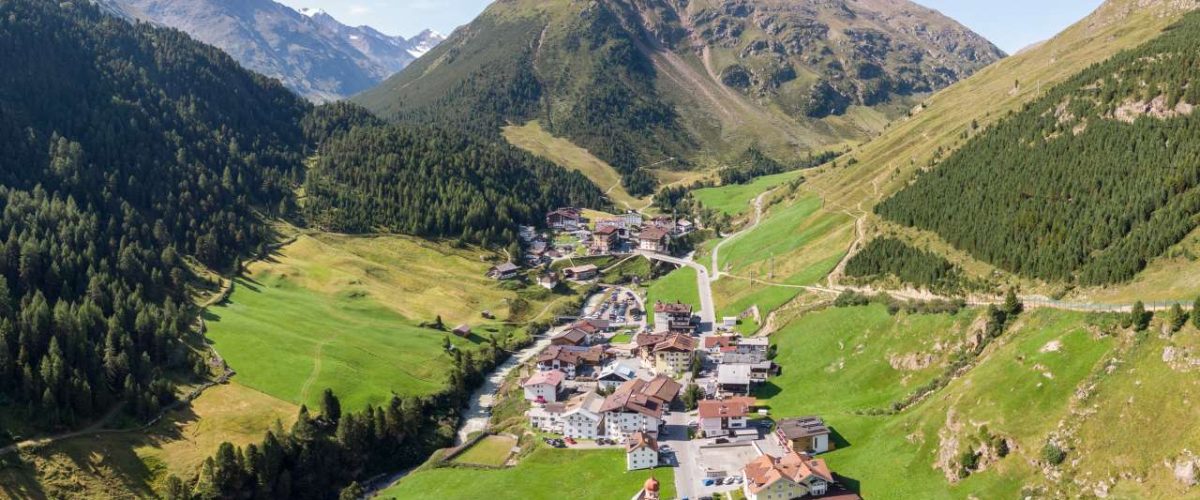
[
  {"x": 569, "y": 440},
  {"x": 708, "y": 482}
]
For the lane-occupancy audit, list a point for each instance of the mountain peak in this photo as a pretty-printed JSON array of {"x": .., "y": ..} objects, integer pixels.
[
  {"x": 307, "y": 49},
  {"x": 311, "y": 12}
]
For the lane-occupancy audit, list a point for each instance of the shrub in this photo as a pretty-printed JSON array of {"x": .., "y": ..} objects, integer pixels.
[{"x": 1052, "y": 454}]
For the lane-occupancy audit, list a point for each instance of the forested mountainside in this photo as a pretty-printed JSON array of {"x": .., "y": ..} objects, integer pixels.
[
  {"x": 126, "y": 148},
  {"x": 310, "y": 51},
  {"x": 129, "y": 149},
  {"x": 1087, "y": 183},
  {"x": 640, "y": 82},
  {"x": 432, "y": 183}
]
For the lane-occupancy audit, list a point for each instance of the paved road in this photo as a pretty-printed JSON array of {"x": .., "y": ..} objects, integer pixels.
[
  {"x": 758, "y": 213},
  {"x": 708, "y": 311}
]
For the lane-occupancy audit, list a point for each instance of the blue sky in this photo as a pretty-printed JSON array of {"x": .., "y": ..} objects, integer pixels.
[{"x": 1010, "y": 24}]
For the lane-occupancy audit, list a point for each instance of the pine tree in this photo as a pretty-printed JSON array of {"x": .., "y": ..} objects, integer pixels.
[
  {"x": 331, "y": 408},
  {"x": 1138, "y": 317}
]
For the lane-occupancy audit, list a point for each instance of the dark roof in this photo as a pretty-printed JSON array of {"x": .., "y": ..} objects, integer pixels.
[
  {"x": 506, "y": 267},
  {"x": 575, "y": 336},
  {"x": 676, "y": 308},
  {"x": 795, "y": 428},
  {"x": 653, "y": 233}
]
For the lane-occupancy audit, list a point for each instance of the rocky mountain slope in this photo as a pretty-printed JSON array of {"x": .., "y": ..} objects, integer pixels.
[
  {"x": 641, "y": 81},
  {"x": 310, "y": 51}
]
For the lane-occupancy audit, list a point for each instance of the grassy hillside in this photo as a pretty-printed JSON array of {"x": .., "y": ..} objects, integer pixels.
[
  {"x": 545, "y": 473},
  {"x": 1086, "y": 183},
  {"x": 118, "y": 465},
  {"x": 344, "y": 313},
  {"x": 797, "y": 243},
  {"x": 1024, "y": 384},
  {"x": 889, "y": 162},
  {"x": 736, "y": 199},
  {"x": 533, "y": 138}
]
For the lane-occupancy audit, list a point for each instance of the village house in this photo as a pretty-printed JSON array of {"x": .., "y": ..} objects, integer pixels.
[
  {"x": 571, "y": 337},
  {"x": 676, "y": 318},
  {"x": 547, "y": 417},
  {"x": 641, "y": 452},
  {"x": 631, "y": 219},
  {"x": 790, "y": 476},
  {"x": 571, "y": 360},
  {"x": 722, "y": 417},
  {"x": 543, "y": 387},
  {"x": 638, "y": 405},
  {"x": 714, "y": 343},
  {"x": 567, "y": 219},
  {"x": 684, "y": 226},
  {"x": 644, "y": 345},
  {"x": 804, "y": 435},
  {"x": 673, "y": 356},
  {"x": 462, "y": 331},
  {"x": 505, "y": 271},
  {"x": 582, "y": 418},
  {"x": 617, "y": 223},
  {"x": 593, "y": 327},
  {"x": 733, "y": 379},
  {"x": 616, "y": 373},
  {"x": 581, "y": 273},
  {"x": 654, "y": 239},
  {"x": 548, "y": 280},
  {"x": 527, "y": 233},
  {"x": 664, "y": 222},
  {"x": 605, "y": 240}
]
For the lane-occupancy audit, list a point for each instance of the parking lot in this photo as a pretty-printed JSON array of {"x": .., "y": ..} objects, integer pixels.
[{"x": 620, "y": 306}]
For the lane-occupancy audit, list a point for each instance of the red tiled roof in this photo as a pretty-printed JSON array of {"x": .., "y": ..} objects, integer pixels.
[
  {"x": 765, "y": 470},
  {"x": 717, "y": 409},
  {"x": 718, "y": 341},
  {"x": 552, "y": 377},
  {"x": 676, "y": 342}
]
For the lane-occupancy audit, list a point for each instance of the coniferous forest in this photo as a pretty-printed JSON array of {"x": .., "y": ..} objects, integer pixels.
[
  {"x": 1087, "y": 183},
  {"x": 432, "y": 183},
  {"x": 125, "y": 149},
  {"x": 884, "y": 257}
]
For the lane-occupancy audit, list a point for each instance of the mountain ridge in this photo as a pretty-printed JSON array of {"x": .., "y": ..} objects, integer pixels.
[
  {"x": 640, "y": 81},
  {"x": 313, "y": 53}
]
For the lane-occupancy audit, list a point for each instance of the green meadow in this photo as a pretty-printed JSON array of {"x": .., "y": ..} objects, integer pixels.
[
  {"x": 344, "y": 312},
  {"x": 839, "y": 363},
  {"x": 735, "y": 199},
  {"x": 546, "y": 473},
  {"x": 679, "y": 285},
  {"x": 292, "y": 343},
  {"x": 798, "y": 243}
]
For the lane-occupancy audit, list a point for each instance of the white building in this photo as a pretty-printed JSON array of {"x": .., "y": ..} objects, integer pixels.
[
  {"x": 616, "y": 373},
  {"x": 548, "y": 417},
  {"x": 638, "y": 405},
  {"x": 641, "y": 452},
  {"x": 583, "y": 419},
  {"x": 719, "y": 418},
  {"x": 543, "y": 387}
]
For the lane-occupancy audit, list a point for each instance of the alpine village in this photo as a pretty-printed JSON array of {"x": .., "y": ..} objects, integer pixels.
[{"x": 599, "y": 249}]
